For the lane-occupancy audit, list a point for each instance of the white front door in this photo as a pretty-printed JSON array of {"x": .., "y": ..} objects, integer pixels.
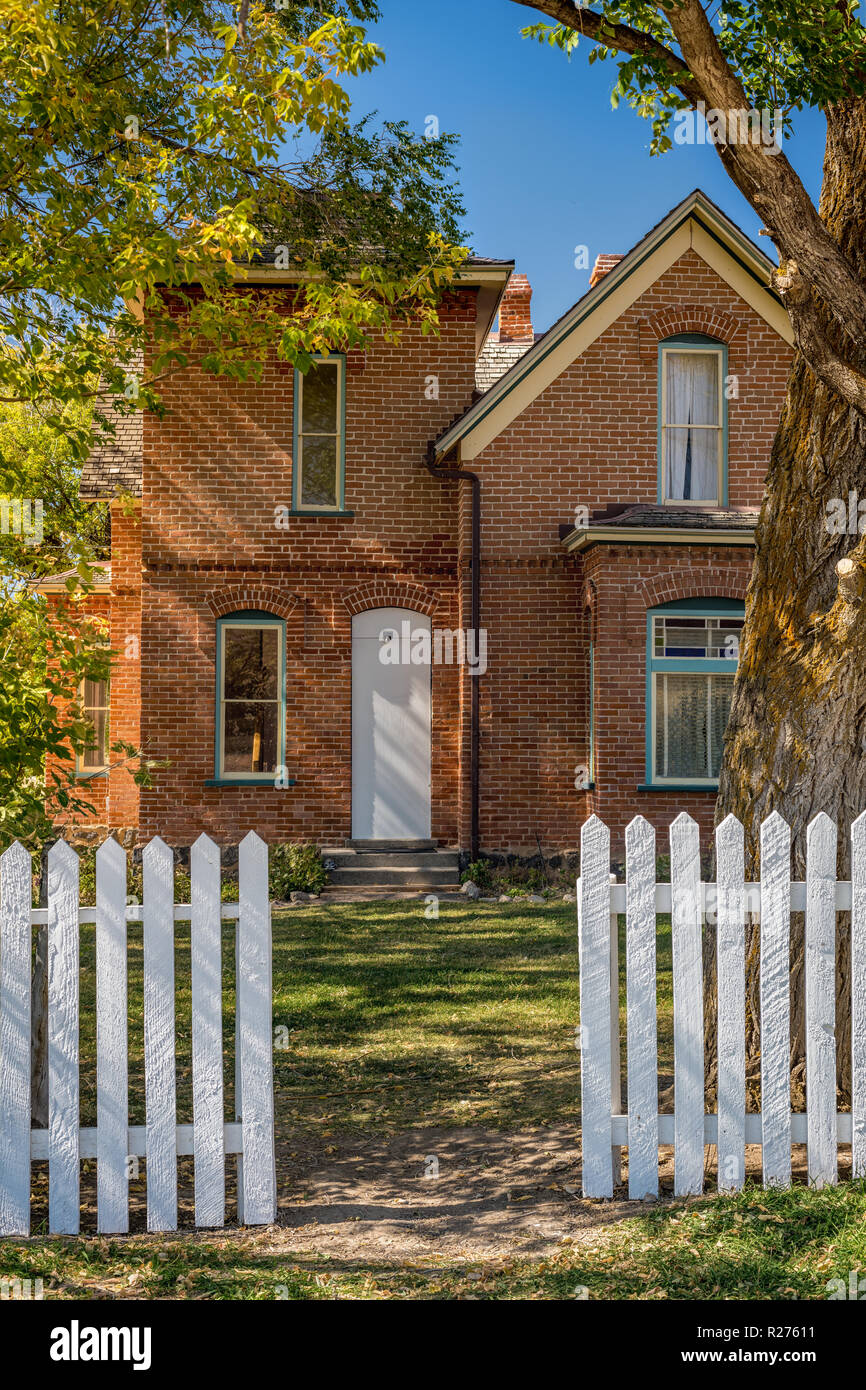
[{"x": 391, "y": 720}]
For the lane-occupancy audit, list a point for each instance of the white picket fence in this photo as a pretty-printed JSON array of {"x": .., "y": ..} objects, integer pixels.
[
  {"x": 65, "y": 1142},
  {"x": 605, "y": 1131}
]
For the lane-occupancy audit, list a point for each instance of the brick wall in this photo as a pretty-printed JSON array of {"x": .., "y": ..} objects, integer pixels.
[
  {"x": 591, "y": 438},
  {"x": 215, "y": 470}
]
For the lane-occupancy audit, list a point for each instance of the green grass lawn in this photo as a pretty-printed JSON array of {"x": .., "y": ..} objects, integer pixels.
[
  {"x": 387, "y": 1020},
  {"x": 755, "y": 1245},
  {"x": 394, "y": 1020},
  {"x": 383, "y": 1017}
]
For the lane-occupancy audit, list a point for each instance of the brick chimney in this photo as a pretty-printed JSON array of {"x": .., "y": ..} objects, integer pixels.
[
  {"x": 515, "y": 318},
  {"x": 603, "y": 263}
]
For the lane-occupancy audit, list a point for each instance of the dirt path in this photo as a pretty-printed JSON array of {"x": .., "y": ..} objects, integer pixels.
[{"x": 469, "y": 1193}]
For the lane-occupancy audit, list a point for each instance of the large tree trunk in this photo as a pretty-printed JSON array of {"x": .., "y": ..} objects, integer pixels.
[{"x": 796, "y": 739}]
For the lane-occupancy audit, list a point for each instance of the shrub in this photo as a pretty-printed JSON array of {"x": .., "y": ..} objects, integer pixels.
[
  {"x": 296, "y": 869},
  {"x": 479, "y": 872}
]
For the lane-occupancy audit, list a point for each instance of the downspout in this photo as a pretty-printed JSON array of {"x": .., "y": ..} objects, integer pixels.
[{"x": 458, "y": 475}]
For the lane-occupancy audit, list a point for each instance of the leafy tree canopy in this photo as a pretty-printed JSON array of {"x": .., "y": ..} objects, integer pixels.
[{"x": 148, "y": 143}]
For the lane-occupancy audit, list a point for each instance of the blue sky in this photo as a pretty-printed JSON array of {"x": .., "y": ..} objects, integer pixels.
[{"x": 545, "y": 164}]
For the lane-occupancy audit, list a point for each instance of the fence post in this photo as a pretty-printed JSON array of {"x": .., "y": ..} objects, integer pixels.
[
  {"x": 160, "y": 1086},
  {"x": 254, "y": 1004},
  {"x": 239, "y": 1109},
  {"x": 615, "y": 1061},
  {"x": 593, "y": 924},
  {"x": 15, "y": 948}
]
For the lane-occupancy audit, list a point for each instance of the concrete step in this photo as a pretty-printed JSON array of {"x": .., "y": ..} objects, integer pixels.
[
  {"x": 424, "y": 859},
  {"x": 409, "y": 877},
  {"x": 391, "y": 846}
]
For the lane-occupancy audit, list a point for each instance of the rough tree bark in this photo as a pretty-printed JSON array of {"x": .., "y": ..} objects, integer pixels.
[{"x": 796, "y": 739}]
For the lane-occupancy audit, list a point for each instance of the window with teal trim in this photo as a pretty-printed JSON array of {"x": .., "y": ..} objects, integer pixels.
[
  {"x": 318, "y": 474},
  {"x": 251, "y": 663},
  {"x": 692, "y": 421},
  {"x": 692, "y": 652}
]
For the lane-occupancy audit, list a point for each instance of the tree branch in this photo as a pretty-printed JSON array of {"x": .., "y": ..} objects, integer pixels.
[
  {"x": 619, "y": 36},
  {"x": 767, "y": 181}
]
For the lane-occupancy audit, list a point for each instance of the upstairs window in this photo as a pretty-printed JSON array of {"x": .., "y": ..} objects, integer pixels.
[
  {"x": 94, "y": 701},
  {"x": 692, "y": 422},
  {"x": 250, "y": 691},
  {"x": 319, "y": 449},
  {"x": 693, "y": 650}
]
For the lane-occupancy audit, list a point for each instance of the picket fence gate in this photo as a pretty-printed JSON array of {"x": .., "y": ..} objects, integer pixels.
[
  {"x": 113, "y": 1141},
  {"x": 605, "y": 1130}
]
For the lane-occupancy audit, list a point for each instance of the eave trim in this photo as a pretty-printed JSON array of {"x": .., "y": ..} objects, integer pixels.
[{"x": 653, "y": 535}]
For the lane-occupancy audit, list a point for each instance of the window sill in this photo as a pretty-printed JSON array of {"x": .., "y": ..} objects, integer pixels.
[
  {"x": 311, "y": 511},
  {"x": 248, "y": 782},
  {"x": 678, "y": 787},
  {"x": 693, "y": 504}
]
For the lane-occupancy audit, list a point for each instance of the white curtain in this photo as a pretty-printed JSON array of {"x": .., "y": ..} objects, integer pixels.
[
  {"x": 691, "y": 718},
  {"x": 692, "y": 398}
]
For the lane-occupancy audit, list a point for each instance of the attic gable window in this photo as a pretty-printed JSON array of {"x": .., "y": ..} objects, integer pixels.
[
  {"x": 692, "y": 426},
  {"x": 319, "y": 444}
]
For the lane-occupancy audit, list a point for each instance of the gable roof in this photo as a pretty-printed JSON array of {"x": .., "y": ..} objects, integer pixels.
[{"x": 694, "y": 224}]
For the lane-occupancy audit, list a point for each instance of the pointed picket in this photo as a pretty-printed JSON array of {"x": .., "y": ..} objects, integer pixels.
[
  {"x": 159, "y": 1064},
  {"x": 821, "y": 1000},
  {"x": 775, "y": 1001},
  {"x": 858, "y": 996},
  {"x": 207, "y": 1046},
  {"x": 731, "y": 984},
  {"x": 63, "y": 1037},
  {"x": 595, "y": 1006},
  {"x": 15, "y": 879},
  {"x": 688, "y": 1007},
  {"x": 112, "y": 1107},
  {"x": 258, "y": 1171},
  {"x": 643, "y": 1139}
]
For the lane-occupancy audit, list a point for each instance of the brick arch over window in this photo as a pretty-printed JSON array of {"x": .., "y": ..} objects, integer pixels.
[
  {"x": 679, "y": 584},
  {"x": 235, "y": 598},
  {"x": 687, "y": 318},
  {"x": 391, "y": 593}
]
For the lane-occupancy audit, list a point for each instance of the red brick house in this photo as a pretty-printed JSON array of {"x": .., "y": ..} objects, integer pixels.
[{"x": 585, "y": 498}]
